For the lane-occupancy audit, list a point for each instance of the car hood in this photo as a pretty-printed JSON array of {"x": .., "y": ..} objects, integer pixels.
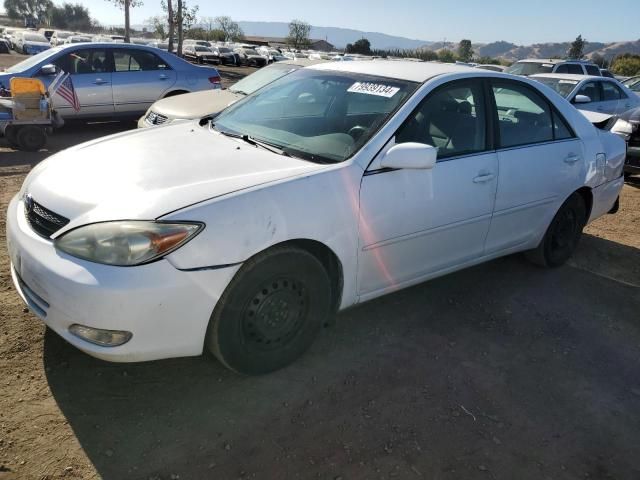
[
  {"x": 145, "y": 174},
  {"x": 196, "y": 104}
]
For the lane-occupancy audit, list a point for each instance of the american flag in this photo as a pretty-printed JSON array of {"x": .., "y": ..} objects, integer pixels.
[{"x": 66, "y": 91}]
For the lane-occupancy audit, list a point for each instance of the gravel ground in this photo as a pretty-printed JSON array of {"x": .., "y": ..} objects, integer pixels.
[{"x": 502, "y": 371}]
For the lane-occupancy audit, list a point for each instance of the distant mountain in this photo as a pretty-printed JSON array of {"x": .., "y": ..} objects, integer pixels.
[
  {"x": 511, "y": 52},
  {"x": 339, "y": 37}
]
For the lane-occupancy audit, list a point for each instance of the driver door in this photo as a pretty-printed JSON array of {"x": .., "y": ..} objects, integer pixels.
[
  {"x": 418, "y": 223},
  {"x": 91, "y": 77}
]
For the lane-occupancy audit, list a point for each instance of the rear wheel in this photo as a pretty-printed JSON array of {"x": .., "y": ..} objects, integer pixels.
[
  {"x": 563, "y": 235},
  {"x": 11, "y": 134},
  {"x": 31, "y": 138},
  {"x": 271, "y": 311}
]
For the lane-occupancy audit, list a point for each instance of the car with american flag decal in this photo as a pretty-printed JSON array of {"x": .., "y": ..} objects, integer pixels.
[{"x": 110, "y": 80}]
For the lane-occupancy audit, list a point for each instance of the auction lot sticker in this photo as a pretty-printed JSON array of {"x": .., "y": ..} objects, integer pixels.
[{"x": 373, "y": 89}]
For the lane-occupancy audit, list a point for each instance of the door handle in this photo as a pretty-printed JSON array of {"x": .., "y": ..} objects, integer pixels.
[
  {"x": 486, "y": 177},
  {"x": 99, "y": 81},
  {"x": 163, "y": 77},
  {"x": 571, "y": 158}
]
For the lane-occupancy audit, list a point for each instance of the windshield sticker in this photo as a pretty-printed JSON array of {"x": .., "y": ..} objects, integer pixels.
[{"x": 373, "y": 89}]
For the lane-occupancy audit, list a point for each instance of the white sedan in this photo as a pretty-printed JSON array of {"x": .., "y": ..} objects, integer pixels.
[
  {"x": 589, "y": 93},
  {"x": 329, "y": 187}
]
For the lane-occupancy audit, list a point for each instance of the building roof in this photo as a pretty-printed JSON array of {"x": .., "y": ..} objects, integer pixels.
[{"x": 401, "y": 69}]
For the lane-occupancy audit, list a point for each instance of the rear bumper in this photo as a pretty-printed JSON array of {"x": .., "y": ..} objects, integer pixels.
[
  {"x": 605, "y": 196},
  {"x": 167, "y": 310}
]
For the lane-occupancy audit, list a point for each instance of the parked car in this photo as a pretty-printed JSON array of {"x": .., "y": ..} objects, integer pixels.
[
  {"x": 201, "y": 104},
  {"x": 225, "y": 55},
  {"x": 331, "y": 186},
  {"x": 58, "y": 37},
  {"x": 633, "y": 84},
  {"x": 250, "y": 57},
  {"x": 4, "y": 46},
  {"x": 628, "y": 127},
  {"x": 30, "y": 43},
  {"x": 77, "y": 39},
  {"x": 493, "y": 68},
  {"x": 272, "y": 54},
  {"x": 9, "y": 34},
  {"x": 114, "y": 80},
  {"x": 598, "y": 94},
  {"x": 535, "y": 66},
  {"x": 199, "y": 54}
]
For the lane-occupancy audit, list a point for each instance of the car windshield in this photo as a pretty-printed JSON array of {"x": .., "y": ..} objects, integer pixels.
[
  {"x": 529, "y": 68},
  {"x": 261, "y": 78},
  {"x": 31, "y": 61},
  {"x": 563, "y": 87},
  {"x": 317, "y": 115},
  {"x": 34, "y": 37},
  {"x": 250, "y": 51}
]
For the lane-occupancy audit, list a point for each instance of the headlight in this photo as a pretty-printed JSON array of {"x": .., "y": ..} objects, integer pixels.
[
  {"x": 126, "y": 243},
  {"x": 622, "y": 128}
]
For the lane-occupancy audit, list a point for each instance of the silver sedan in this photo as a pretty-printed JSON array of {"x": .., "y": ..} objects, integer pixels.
[{"x": 114, "y": 80}]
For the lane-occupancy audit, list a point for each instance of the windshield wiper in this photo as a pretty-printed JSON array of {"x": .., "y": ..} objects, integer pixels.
[
  {"x": 257, "y": 143},
  {"x": 241, "y": 92}
]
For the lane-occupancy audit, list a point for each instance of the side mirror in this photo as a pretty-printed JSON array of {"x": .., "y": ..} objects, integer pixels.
[
  {"x": 582, "y": 99},
  {"x": 410, "y": 155},
  {"x": 49, "y": 69}
]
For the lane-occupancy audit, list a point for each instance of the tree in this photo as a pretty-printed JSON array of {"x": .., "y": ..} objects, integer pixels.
[
  {"x": 626, "y": 64},
  {"x": 599, "y": 60},
  {"x": 27, "y": 9},
  {"x": 465, "y": 50},
  {"x": 158, "y": 24},
  {"x": 71, "y": 17},
  {"x": 576, "y": 52},
  {"x": 298, "y": 34},
  {"x": 231, "y": 30},
  {"x": 362, "y": 46},
  {"x": 445, "y": 55},
  {"x": 126, "y": 5},
  {"x": 180, "y": 26}
]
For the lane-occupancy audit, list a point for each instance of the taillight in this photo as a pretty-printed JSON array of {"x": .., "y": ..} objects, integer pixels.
[{"x": 215, "y": 80}]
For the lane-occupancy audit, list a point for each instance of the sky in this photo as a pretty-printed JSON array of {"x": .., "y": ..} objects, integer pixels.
[{"x": 515, "y": 21}]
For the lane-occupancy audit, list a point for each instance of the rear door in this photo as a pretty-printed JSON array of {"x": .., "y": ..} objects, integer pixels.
[
  {"x": 91, "y": 79},
  {"x": 140, "y": 78},
  {"x": 539, "y": 161}
]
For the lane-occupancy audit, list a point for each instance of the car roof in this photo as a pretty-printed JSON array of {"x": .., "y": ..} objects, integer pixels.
[
  {"x": 554, "y": 61},
  {"x": 569, "y": 76},
  {"x": 401, "y": 69}
]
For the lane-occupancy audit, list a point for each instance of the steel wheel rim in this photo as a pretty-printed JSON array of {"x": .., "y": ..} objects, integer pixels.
[{"x": 275, "y": 314}]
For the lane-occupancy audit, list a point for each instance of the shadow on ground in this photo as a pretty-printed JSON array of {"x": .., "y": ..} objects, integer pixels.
[{"x": 500, "y": 371}]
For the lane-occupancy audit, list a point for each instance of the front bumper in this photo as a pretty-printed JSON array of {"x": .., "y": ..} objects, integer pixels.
[{"x": 166, "y": 309}]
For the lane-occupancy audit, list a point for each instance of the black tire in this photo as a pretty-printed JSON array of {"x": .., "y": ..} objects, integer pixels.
[
  {"x": 11, "y": 134},
  {"x": 271, "y": 311},
  {"x": 562, "y": 236},
  {"x": 31, "y": 138}
]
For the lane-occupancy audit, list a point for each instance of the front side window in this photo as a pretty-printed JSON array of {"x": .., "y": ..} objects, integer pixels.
[
  {"x": 591, "y": 90},
  {"x": 574, "y": 69},
  {"x": 309, "y": 113},
  {"x": 452, "y": 118},
  {"x": 524, "y": 117},
  {"x": 137, "y": 60},
  {"x": 88, "y": 60}
]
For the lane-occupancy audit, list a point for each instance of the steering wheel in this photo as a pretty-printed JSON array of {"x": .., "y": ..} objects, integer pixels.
[{"x": 357, "y": 131}]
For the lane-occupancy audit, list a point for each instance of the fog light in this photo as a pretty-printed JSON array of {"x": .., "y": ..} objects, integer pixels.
[{"x": 98, "y": 336}]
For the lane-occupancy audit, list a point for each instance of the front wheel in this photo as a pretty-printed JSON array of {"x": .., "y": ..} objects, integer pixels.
[
  {"x": 563, "y": 235},
  {"x": 271, "y": 311}
]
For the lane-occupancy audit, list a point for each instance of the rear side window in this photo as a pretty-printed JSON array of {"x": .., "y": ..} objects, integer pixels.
[
  {"x": 611, "y": 92},
  {"x": 137, "y": 60},
  {"x": 524, "y": 117},
  {"x": 452, "y": 118},
  {"x": 564, "y": 68},
  {"x": 592, "y": 70},
  {"x": 561, "y": 130},
  {"x": 574, "y": 69}
]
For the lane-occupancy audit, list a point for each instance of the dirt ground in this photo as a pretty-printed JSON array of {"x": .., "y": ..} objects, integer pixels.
[{"x": 502, "y": 371}]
